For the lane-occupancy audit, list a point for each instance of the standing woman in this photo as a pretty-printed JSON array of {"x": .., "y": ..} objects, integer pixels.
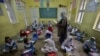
[{"x": 62, "y": 28}]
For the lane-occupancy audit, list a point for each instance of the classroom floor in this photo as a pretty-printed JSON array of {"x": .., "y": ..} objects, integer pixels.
[{"x": 40, "y": 43}]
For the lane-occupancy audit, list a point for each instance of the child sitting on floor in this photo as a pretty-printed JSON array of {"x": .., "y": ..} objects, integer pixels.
[
  {"x": 49, "y": 23},
  {"x": 23, "y": 35},
  {"x": 48, "y": 33},
  {"x": 35, "y": 36},
  {"x": 49, "y": 46},
  {"x": 80, "y": 35},
  {"x": 42, "y": 25},
  {"x": 29, "y": 48},
  {"x": 35, "y": 25},
  {"x": 39, "y": 31},
  {"x": 73, "y": 31},
  {"x": 68, "y": 46},
  {"x": 10, "y": 45},
  {"x": 89, "y": 46},
  {"x": 28, "y": 30},
  {"x": 69, "y": 29},
  {"x": 50, "y": 28}
]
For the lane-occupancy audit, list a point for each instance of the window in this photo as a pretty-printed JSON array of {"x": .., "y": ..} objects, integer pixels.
[
  {"x": 10, "y": 11},
  {"x": 97, "y": 23},
  {"x": 69, "y": 12},
  {"x": 81, "y": 11}
]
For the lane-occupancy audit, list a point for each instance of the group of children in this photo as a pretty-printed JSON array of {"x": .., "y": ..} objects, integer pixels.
[
  {"x": 11, "y": 45},
  {"x": 49, "y": 48},
  {"x": 76, "y": 32},
  {"x": 89, "y": 45}
]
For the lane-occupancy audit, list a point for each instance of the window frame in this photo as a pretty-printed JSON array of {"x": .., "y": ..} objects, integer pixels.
[
  {"x": 70, "y": 11},
  {"x": 10, "y": 11},
  {"x": 80, "y": 11},
  {"x": 97, "y": 23}
]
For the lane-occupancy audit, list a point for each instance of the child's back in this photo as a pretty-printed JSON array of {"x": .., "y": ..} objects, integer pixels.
[{"x": 35, "y": 36}]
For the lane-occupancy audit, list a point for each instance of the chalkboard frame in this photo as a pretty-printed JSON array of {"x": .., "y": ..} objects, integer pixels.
[{"x": 48, "y": 12}]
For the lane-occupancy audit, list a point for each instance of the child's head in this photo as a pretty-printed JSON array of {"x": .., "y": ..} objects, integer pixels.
[
  {"x": 34, "y": 31},
  {"x": 7, "y": 39},
  {"x": 92, "y": 39},
  {"x": 26, "y": 40},
  {"x": 48, "y": 35},
  {"x": 22, "y": 31}
]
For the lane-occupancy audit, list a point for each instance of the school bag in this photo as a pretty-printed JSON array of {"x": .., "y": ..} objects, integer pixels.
[{"x": 52, "y": 54}]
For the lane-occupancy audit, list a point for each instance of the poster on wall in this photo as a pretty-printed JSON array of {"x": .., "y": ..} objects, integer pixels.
[{"x": 1, "y": 12}]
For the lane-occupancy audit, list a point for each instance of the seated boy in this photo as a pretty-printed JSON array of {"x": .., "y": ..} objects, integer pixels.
[
  {"x": 23, "y": 35},
  {"x": 67, "y": 45},
  {"x": 35, "y": 25},
  {"x": 28, "y": 30},
  {"x": 10, "y": 45},
  {"x": 89, "y": 45},
  {"x": 39, "y": 31},
  {"x": 50, "y": 28},
  {"x": 80, "y": 35},
  {"x": 42, "y": 25},
  {"x": 29, "y": 47},
  {"x": 69, "y": 28},
  {"x": 35, "y": 36},
  {"x": 74, "y": 30},
  {"x": 48, "y": 33},
  {"x": 49, "y": 46},
  {"x": 49, "y": 23}
]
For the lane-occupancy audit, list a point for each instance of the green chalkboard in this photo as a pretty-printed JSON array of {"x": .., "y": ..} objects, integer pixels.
[{"x": 48, "y": 12}]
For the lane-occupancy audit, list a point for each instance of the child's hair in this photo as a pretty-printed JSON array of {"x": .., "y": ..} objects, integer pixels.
[
  {"x": 22, "y": 31},
  {"x": 25, "y": 40},
  {"x": 48, "y": 35},
  {"x": 6, "y": 39},
  {"x": 92, "y": 38},
  {"x": 35, "y": 30}
]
